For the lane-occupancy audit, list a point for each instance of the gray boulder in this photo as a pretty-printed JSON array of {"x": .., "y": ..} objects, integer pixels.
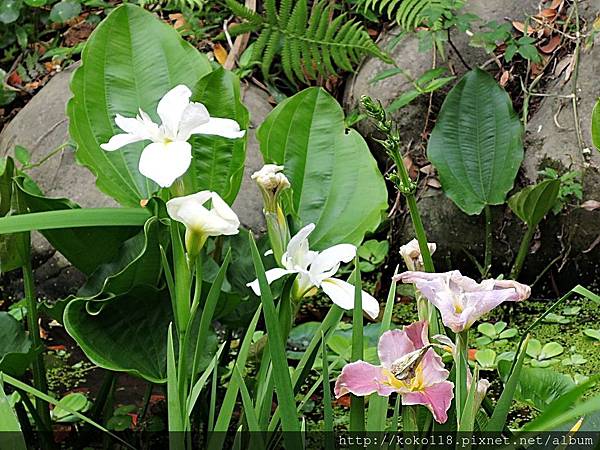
[{"x": 551, "y": 141}]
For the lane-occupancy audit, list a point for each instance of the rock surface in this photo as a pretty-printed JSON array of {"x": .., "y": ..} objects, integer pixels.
[{"x": 573, "y": 235}]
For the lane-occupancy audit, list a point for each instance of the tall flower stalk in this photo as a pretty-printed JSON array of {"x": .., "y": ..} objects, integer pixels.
[{"x": 403, "y": 184}]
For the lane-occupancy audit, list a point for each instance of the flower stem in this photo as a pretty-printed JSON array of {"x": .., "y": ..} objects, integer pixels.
[
  {"x": 39, "y": 371},
  {"x": 460, "y": 363},
  {"x": 357, "y": 404},
  {"x": 487, "y": 262},
  {"x": 522, "y": 254}
]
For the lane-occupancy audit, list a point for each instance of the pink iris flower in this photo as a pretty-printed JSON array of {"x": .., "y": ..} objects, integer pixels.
[
  {"x": 409, "y": 367},
  {"x": 460, "y": 299}
]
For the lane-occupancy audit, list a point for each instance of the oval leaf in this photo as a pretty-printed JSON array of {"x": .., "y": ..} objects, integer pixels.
[
  {"x": 16, "y": 352},
  {"x": 596, "y": 125},
  {"x": 335, "y": 180},
  {"x": 130, "y": 61},
  {"x": 532, "y": 203},
  {"x": 477, "y": 143}
]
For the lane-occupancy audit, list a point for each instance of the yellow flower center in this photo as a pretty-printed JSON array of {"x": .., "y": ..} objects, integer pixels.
[{"x": 414, "y": 384}]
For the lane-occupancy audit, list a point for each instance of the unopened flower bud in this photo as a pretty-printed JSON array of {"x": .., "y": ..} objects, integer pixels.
[{"x": 411, "y": 254}]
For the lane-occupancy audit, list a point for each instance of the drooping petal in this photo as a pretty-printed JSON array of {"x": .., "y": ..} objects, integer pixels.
[
  {"x": 327, "y": 262},
  {"x": 120, "y": 140},
  {"x": 194, "y": 115},
  {"x": 177, "y": 203},
  {"x": 393, "y": 345},
  {"x": 361, "y": 378},
  {"x": 171, "y": 107},
  {"x": 221, "y": 127},
  {"x": 436, "y": 398},
  {"x": 271, "y": 275},
  {"x": 224, "y": 211},
  {"x": 342, "y": 294},
  {"x": 297, "y": 254},
  {"x": 164, "y": 163},
  {"x": 522, "y": 290}
]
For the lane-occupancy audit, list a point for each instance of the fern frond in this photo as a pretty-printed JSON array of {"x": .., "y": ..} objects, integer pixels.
[
  {"x": 309, "y": 43},
  {"x": 410, "y": 14}
]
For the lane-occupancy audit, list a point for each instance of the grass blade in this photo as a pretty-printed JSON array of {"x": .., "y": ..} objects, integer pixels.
[
  {"x": 281, "y": 374},
  {"x": 32, "y": 391},
  {"x": 174, "y": 411},
  {"x": 197, "y": 388},
  {"x": 327, "y": 408},
  {"x": 498, "y": 419}
]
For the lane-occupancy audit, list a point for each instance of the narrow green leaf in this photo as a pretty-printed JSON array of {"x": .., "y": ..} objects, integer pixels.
[
  {"x": 498, "y": 419},
  {"x": 228, "y": 403},
  {"x": 596, "y": 125},
  {"x": 327, "y": 407},
  {"x": 208, "y": 311},
  {"x": 173, "y": 399},
  {"x": 74, "y": 218},
  {"x": 281, "y": 374},
  {"x": 249, "y": 411},
  {"x": 32, "y": 391},
  {"x": 199, "y": 385}
]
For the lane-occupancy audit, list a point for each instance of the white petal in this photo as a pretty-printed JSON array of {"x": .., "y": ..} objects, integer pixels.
[
  {"x": 171, "y": 107},
  {"x": 134, "y": 125},
  {"x": 221, "y": 127},
  {"x": 327, "y": 263},
  {"x": 223, "y": 210},
  {"x": 298, "y": 255},
  {"x": 194, "y": 115},
  {"x": 164, "y": 163},
  {"x": 272, "y": 275},
  {"x": 120, "y": 140},
  {"x": 342, "y": 294},
  {"x": 176, "y": 204}
]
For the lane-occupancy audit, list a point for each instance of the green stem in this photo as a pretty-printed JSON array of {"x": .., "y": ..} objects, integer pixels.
[
  {"x": 487, "y": 262},
  {"x": 522, "y": 254},
  {"x": 460, "y": 360},
  {"x": 357, "y": 404},
  {"x": 39, "y": 371}
]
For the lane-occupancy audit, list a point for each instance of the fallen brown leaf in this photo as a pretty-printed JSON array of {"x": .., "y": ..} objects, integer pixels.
[
  {"x": 562, "y": 65},
  {"x": 427, "y": 170},
  {"x": 413, "y": 171},
  {"x": 220, "y": 53},
  {"x": 552, "y": 44},
  {"x": 504, "y": 78},
  {"x": 520, "y": 26},
  {"x": 178, "y": 20},
  {"x": 434, "y": 183}
]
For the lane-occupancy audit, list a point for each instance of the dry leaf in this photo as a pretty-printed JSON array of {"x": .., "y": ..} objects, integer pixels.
[
  {"x": 562, "y": 65},
  {"x": 556, "y": 4},
  {"x": 434, "y": 183},
  {"x": 548, "y": 13},
  {"x": 591, "y": 205},
  {"x": 551, "y": 45},
  {"x": 14, "y": 79},
  {"x": 570, "y": 68},
  {"x": 504, "y": 78},
  {"x": 410, "y": 167},
  {"x": 428, "y": 169},
  {"x": 520, "y": 26},
  {"x": 178, "y": 20},
  {"x": 144, "y": 202},
  {"x": 220, "y": 53}
]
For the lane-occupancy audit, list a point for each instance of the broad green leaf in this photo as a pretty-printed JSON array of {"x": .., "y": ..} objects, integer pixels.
[
  {"x": 538, "y": 387},
  {"x": 335, "y": 180},
  {"x": 592, "y": 333},
  {"x": 126, "y": 333},
  {"x": 137, "y": 263},
  {"x": 16, "y": 352},
  {"x": 129, "y": 62},
  {"x": 218, "y": 162},
  {"x": 487, "y": 329},
  {"x": 550, "y": 350},
  {"x": 74, "y": 401},
  {"x": 10, "y": 429},
  {"x": 76, "y": 243},
  {"x": 65, "y": 10},
  {"x": 532, "y": 203},
  {"x": 596, "y": 125},
  {"x": 476, "y": 144},
  {"x": 486, "y": 358},
  {"x": 9, "y": 11}
]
